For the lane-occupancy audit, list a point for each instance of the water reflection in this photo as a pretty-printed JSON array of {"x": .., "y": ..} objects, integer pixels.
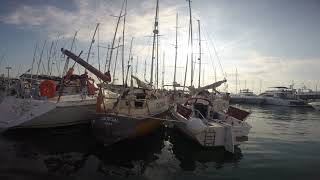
[
  {"x": 190, "y": 153},
  {"x": 71, "y": 151},
  {"x": 66, "y": 151}
]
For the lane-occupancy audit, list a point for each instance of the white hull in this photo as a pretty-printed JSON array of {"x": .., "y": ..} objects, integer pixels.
[
  {"x": 211, "y": 135},
  {"x": 315, "y": 105},
  {"x": 31, "y": 113},
  {"x": 283, "y": 102}
]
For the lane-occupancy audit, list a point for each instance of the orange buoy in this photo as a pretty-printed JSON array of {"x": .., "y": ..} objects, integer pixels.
[
  {"x": 48, "y": 88},
  {"x": 91, "y": 89}
]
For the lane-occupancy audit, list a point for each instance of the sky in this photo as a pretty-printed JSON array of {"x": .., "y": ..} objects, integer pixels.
[{"x": 268, "y": 42}]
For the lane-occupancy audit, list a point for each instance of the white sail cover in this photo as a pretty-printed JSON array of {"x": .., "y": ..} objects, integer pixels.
[
  {"x": 210, "y": 86},
  {"x": 141, "y": 83}
]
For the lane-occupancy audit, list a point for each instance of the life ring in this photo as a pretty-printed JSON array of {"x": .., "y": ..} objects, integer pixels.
[{"x": 48, "y": 88}]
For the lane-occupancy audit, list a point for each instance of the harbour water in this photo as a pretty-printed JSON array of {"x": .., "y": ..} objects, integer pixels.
[{"x": 284, "y": 143}]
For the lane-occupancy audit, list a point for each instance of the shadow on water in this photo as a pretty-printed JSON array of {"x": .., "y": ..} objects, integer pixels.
[
  {"x": 74, "y": 152},
  {"x": 189, "y": 153}
]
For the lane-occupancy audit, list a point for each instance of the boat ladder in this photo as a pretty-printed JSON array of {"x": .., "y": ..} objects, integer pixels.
[{"x": 209, "y": 137}]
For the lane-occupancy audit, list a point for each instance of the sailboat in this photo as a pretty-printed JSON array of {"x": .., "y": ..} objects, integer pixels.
[
  {"x": 210, "y": 121},
  {"x": 45, "y": 101},
  {"x": 206, "y": 118},
  {"x": 42, "y": 106},
  {"x": 137, "y": 111}
]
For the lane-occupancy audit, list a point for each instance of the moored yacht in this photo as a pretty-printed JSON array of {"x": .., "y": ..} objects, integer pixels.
[
  {"x": 282, "y": 96},
  {"x": 246, "y": 97},
  {"x": 210, "y": 121},
  {"x": 45, "y": 103},
  {"x": 315, "y": 105}
]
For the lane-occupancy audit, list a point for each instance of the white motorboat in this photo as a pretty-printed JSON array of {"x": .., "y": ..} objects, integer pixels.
[
  {"x": 282, "y": 96},
  {"x": 315, "y": 105}
]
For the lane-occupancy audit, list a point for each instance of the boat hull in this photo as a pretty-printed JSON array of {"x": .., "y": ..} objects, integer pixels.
[
  {"x": 110, "y": 129},
  {"x": 62, "y": 116},
  {"x": 285, "y": 102},
  {"x": 315, "y": 105},
  {"x": 31, "y": 113}
]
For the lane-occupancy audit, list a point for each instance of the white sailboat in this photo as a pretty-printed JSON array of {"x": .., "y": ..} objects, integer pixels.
[
  {"x": 198, "y": 120},
  {"x": 32, "y": 107}
]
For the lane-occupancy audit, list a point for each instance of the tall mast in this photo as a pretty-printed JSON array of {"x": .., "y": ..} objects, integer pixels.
[
  {"x": 236, "y": 80},
  {"x": 203, "y": 76},
  {"x": 145, "y": 69},
  {"x": 199, "y": 54},
  {"x": 163, "y": 62},
  {"x": 128, "y": 65},
  {"x": 136, "y": 73},
  {"x": 176, "y": 55},
  {"x": 215, "y": 74},
  {"x": 49, "y": 57},
  {"x": 98, "y": 46},
  {"x": 105, "y": 65},
  {"x": 157, "y": 50},
  {"x": 123, "y": 33},
  {"x": 115, "y": 34},
  {"x": 115, "y": 62},
  {"x": 191, "y": 41},
  {"x": 155, "y": 33},
  {"x": 92, "y": 41},
  {"x": 34, "y": 58},
  {"x": 67, "y": 60},
  {"x": 40, "y": 60}
]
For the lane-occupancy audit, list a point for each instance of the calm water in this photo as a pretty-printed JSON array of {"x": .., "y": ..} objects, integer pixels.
[{"x": 284, "y": 143}]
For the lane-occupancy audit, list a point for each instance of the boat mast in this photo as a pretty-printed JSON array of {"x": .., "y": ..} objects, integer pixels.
[
  {"x": 136, "y": 73},
  {"x": 191, "y": 41},
  {"x": 176, "y": 55},
  {"x": 115, "y": 34},
  {"x": 34, "y": 58},
  {"x": 199, "y": 54},
  {"x": 98, "y": 46},
  {"x": 123, "y": 33},
  {"x": 163, "y": 62},
  {"x": 236, "y": 80},
  {"x": 115, "y": 62},
  {"x": 155, "y": 33},
  {"x": 105, "y": 65},
  {"x": 92, "y": 41},
  {"x": 157, "y": 61},
  {"x": 49, "y": 57},
  {"x": 130, "y": 56},
  {"x": 67, "y": 60},
  {"x": 145, "y": 69},
  {"x": 40, "y": 60}
]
